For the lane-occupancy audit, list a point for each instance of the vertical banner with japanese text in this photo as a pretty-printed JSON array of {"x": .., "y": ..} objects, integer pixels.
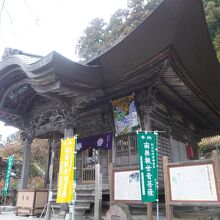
[
  {"x": 8, "y": 175},
  {"x": 125, "y": 115},
  {"x": 66, "y": 171},
  {"x": 148, "y": 165}
]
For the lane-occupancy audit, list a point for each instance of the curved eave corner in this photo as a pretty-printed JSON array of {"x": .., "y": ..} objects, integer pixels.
[
  {"x": 53, "y": 67},
  {"x": 178, "y": 26}
]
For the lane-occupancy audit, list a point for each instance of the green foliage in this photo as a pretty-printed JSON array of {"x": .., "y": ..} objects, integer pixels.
[
  {"x": 207, "y": 145},
  {"x": 212, "y": 10},
  {"x": 99, "y": 36},
  {"x": 38, "y": 163},
  {"x": 38, "y": 160},
  {"x": 92, "y": 42},
  {"x": 116, "y": 28},
  {"x": 216, "y": 43}
]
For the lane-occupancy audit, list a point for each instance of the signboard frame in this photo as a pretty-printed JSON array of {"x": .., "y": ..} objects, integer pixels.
[
  {"x": 168, "y": 189},
  {"x": 202, "y": 163},
  {"x": 119, "y": 170}
]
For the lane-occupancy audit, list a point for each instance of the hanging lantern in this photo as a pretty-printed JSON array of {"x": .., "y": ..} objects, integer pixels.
[{"x": 189, "y": 151}]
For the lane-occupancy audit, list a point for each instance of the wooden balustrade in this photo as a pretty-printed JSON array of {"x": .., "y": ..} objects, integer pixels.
[{"x": 88, "y": 175}]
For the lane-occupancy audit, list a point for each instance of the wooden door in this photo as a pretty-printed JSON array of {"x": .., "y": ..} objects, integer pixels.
[{"x": 178, "y": 151}]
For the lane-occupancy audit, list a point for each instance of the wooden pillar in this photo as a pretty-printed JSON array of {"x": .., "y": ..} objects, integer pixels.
[
  {"x": 46, "y": 180},
  {"x": 113, "y": 150},
  {"x": 147, "y": 127},
  {"x": 215, "y": 158},
  {"x": 26, "y": 163},
  {"x": 171, "y": 148},
  {"x": 169, "y": 210},
  {"x": 111, "y": 178},
  {"x": 98, "y": 192},
  {"x": 50, "y": 172}
]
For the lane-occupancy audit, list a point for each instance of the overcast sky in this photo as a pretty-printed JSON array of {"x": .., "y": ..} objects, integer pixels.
[{"x": 41, "y": 26}]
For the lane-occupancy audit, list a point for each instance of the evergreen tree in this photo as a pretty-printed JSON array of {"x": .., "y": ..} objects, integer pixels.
[
  {"x": 116, "y": 29},
  {"x": 99, "y": 36},
  {"x": 212, "y": 10},
  {"x": 92, "y": 43}
]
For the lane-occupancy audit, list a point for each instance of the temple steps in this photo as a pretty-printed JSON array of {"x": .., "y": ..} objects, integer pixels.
[{"x": 85, "y": 196}]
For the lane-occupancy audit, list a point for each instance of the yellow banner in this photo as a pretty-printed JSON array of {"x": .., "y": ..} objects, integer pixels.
[{"x": 66, "y": 171}]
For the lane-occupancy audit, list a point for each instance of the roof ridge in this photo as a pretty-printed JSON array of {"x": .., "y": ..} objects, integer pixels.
[{"x": 8, "y": 52}]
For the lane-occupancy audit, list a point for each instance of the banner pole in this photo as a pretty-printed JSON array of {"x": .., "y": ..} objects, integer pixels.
[
  {"x": 72, "y": 203},
  {"x": 148, "y": 166},
  {"x": 157, "y": 154},
  {"x": 149, "y": 211},
  {"x": 146, "y": 131},
  {"x": 50, "y": 193},
  {"x": 74, "y": 183}
]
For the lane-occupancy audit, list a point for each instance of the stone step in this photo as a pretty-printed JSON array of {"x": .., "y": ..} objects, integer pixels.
[
  {"x": 80, "y": 208},
  {"x": 85, "y": 196},
  {"x": 79, "y": 186},
  {"x": 83, "y": 204},
  {"x": 85, "y": 191},
  {"x": 91, "y": 199},
  {"x": 85, "y": 187},
  {"x": 56, "y": 206},
  {"x": 78, "y": 216},
  {"x": 77, "y": 207},
  {"x": 91, "y": 217},
  {"x": 85, "y": 201}
]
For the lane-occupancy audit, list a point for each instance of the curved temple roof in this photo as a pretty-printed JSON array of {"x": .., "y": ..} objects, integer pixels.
[
  {"x": 176, "y": 31},
  {"x": 179, "y": 25},
  {"x": 52, "y": 76}
]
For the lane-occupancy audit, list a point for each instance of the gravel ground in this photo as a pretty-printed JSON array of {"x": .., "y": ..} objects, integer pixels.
[
  {"x": 8, "y": 214},
  {"x": 12, "y": 216}
]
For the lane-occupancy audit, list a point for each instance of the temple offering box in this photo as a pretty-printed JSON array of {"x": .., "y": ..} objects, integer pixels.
[{"x": 31, "y": 201}]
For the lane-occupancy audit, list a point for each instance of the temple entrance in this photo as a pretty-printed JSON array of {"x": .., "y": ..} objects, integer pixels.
[{"x": 90, "y": 157}]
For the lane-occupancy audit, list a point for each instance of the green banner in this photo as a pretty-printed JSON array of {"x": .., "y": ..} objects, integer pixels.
[
  {"x": 148, "y": 165},
  {"x": 8, "y": 175}
]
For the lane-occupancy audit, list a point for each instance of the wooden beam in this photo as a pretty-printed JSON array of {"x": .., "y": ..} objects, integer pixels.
[
  {"x": 56, "y": 98},
  {"x": 11, "y": 112},
  {"x": 10, "y": 88},
  {"x": 194, "y": 109},
  {"x": 169, "y": 211},
  {"x": 140, "y": 79}
]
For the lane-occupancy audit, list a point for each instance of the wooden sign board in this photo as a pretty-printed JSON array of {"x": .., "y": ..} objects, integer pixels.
[
  {"x": 193, "y": 183},
  {"x": 126, "y": 186}
]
